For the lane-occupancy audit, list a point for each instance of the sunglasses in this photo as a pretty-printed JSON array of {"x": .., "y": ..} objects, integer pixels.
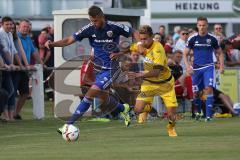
[
  {"x": 184, "y": 33},
  {"x": 218, "y": 28}
]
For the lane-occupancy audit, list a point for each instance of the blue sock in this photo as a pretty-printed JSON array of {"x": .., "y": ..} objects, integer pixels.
[
  {"x": 209, "y": 104},
  {"x": 81, "y": 109},
  {"x": 120, "y": 107},
  {"x": 198, "y": 103}
]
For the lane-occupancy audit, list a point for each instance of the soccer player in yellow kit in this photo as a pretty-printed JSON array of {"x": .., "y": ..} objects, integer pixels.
[{"x": 157, "y": 78}]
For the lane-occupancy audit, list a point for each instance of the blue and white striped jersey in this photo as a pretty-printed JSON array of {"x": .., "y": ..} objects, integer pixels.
[
  {"x": 203, "y": 49},
  {"x": 104, "y": 40}
]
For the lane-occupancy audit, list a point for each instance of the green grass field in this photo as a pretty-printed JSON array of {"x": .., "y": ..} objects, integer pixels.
[{"x": 37, "y": 139}]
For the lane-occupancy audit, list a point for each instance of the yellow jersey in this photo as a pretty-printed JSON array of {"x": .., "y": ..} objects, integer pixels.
[{"x": 155, "y": 57}]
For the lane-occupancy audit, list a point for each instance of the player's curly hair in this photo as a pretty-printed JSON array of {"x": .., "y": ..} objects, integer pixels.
[
  {"x": 95, "y": 11},
  {"x": 146, "y": 29}
]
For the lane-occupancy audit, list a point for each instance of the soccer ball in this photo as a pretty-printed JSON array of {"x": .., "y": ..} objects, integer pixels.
[
  {"x": 70, "y": 133},
  {"x": 236, "y": 107}
]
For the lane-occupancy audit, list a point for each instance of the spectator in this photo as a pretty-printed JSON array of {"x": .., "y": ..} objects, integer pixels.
[
  {"x": 30, "y": 51},
  {"x": 168, "y": 47},
  {"x": 19, "y": 77},
  {"x": 217, "y": 31},
  {"x": 223, "y": 101},
  {"x": 157, "y": 37},
  {"x": 176, "y": 34},
  {"x": 6, "y": 39},
  {"x": 220, "y": 36},
  {"x": 174, "y": 64},
  {"x": 17, "y": 26},
  {"x": 183, "y": 82},
  {"x": 181, "y": 44},
  {"x": 3, "y": 92},
  {"x": 50, "y": 36},
  {"x": 43, "y": 51},
  {"x": 232, "y": 55},
  {"x": 49, "y": 61},
  {"x": 19, "y": 47},
  {"x": 162, "y": 32},
  {"x": 235, "y": 39}
]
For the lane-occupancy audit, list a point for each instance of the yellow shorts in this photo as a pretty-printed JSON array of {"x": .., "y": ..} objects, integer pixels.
[{"x": 165, "y": 91}]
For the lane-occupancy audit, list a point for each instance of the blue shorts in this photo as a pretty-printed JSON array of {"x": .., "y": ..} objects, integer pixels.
[
  {"x": 203, "y": 77},
  {"x": 105, "y": 78}
]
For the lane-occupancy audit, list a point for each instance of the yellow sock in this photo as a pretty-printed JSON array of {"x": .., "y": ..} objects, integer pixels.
[
  {"x": 142, "y": 117},
  {"x": 170, "y": 122}
]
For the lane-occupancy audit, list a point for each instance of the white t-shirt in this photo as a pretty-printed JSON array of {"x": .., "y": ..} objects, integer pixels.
[{"x": 6, "y": 39}]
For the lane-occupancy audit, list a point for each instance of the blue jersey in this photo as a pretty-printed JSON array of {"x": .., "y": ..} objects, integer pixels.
[
  {"x": 203, "y": 49},
  {"x": 104, "y": 40}
]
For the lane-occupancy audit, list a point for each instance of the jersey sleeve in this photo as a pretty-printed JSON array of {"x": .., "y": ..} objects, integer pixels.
[
  {"x": 159, "y": 56},
  {"x": 123, "y": 30},
  {"x": 190, "y": 43},
  {"x": 84, "y": 32}
]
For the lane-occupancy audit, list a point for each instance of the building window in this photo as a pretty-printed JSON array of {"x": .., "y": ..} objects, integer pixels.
[{"x": 74, "y": 51}]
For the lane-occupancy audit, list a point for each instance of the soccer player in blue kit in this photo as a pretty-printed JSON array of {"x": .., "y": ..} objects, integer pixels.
[
  {"x": 101, "y": 34},
  {"x": 204, "y": 45}
]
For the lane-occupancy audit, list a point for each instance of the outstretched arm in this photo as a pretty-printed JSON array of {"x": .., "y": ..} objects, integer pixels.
[
  {"x": 144, "y": 74},
  {"x": 61, "y": 43}
]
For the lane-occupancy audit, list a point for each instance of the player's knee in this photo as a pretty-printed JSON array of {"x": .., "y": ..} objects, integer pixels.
[
  {"x": 88, "y": 100},
  {"x": 138, "y": 109},
  {"x": 208, "y": 90}
]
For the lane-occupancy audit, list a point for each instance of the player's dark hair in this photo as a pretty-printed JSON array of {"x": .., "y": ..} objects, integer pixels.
[
  {"x": 157, "y": 34},
  {"x": 202, "y": 19},
  {"x": 95, "y": 11},
  {"x": 146, "y": 29},
  {"x": 6, "y": 19}
]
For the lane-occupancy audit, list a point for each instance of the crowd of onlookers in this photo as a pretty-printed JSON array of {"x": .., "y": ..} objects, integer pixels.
[{"x": 19, "y": 49}]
